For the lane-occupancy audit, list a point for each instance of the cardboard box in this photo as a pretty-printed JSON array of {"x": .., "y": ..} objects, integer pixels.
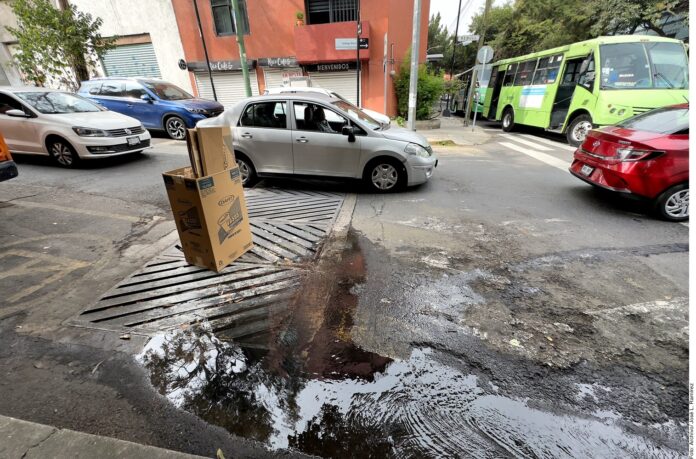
[
  {"x": 194, "y": 154},
  {"x": 215, "y": 149},
  {"x": 211, "y": 216}
]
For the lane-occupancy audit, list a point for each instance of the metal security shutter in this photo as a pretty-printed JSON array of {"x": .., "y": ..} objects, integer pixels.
[
  {"x": 229, "y": 86},
  {"x": 131, "y": 61},
  {"x": 274, "y": 77},
  {"x": 341, "y": 82}
]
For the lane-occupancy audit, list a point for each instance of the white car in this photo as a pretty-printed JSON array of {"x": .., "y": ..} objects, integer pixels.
[
  {"x": 65, "y": 126},
  {"x": 379, "y": 117}
]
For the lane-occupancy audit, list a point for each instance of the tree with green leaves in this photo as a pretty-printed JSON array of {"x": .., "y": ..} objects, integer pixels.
[
  {"x": 440, "y": 41},
  {"x": 625, "y": 16},
  {"x": 431, "y": 86},
  {"x": 527, "y": 26},
  {"x": 57, "y": 47}
]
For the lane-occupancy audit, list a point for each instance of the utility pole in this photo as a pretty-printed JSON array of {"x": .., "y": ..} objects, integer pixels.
[
  {"x": 357, "y": 56},
  {"x": 413, "y": 83},
  {"x": 474, "y": 75},
  {"x": 205, "y": 50},
  {"x": 446, "y": 112},
  {"x": 240, "y": 43}
]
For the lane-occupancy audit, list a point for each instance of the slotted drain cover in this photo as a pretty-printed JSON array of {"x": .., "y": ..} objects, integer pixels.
[{"x": 288, "y": 228}]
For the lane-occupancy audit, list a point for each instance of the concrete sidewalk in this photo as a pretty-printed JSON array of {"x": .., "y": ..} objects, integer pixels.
[
  {"x": 453, "y": 129},
  {"x": 22, "y": 439}
]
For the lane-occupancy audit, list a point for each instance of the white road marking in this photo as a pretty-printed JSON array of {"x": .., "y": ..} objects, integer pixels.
[
  {"x": 645, "y": 308},
  {"x": 93, "y": 213},
  {"x": 526, "y": 142},
  {"x": 543, "y": 157},
  {"x": 684, "y": 224},
  {"x": 549, "y": 142}
]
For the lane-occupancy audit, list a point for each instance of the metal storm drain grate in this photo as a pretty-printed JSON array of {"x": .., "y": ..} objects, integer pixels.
[{"x": 288, "y": 228}]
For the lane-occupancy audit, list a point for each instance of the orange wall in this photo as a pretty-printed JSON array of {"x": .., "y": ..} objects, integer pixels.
[
  {"x": 271, "y": 23},
  {"x": 272, "y": 27}
]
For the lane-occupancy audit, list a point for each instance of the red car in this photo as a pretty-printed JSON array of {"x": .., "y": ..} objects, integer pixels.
[{"x": 646, "y": 156}]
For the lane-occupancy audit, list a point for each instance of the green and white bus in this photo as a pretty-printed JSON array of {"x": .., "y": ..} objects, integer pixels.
[{"x": 598, "y": 82}]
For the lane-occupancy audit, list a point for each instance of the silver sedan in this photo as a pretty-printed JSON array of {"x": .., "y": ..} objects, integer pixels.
[{"x": 315, "y": 135}]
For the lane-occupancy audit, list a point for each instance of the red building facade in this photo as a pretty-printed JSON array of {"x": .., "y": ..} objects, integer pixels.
[{"x": 281, "y": 49}]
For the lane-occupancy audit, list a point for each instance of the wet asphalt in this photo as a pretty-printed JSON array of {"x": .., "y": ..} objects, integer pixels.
[{"x": 505, "y": 309}]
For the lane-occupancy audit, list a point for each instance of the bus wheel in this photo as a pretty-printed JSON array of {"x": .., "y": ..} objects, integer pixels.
[
  {"x": 508, "y": 120},
  {"x": 578, "y": 129}
]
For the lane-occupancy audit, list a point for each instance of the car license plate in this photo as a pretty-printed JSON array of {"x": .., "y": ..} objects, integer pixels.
[
  {"x": 586, "y": 170},
  {"x": 133, "y": 140}
]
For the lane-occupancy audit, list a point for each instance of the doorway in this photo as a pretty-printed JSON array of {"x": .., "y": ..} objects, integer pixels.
[
  {"x": 564, "y": 94},
  {"x": 497, "y": 84}
]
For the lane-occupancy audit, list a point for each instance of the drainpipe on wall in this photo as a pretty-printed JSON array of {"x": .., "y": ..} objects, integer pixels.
[{"x": 242, "y": 48}]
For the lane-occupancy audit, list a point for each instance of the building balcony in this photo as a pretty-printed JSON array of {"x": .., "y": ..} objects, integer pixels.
[{"x": 319, "y": 42}]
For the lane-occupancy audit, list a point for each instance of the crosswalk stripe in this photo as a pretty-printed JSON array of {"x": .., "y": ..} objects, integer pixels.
[
  {"x": 526, "y": 142},
  {"x": 550, "y": 142},
  {"x": 685, "y": 224},
  {"x": 543, "y": 157}
]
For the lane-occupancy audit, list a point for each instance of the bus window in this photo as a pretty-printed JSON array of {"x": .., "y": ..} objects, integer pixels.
[
  {"x": 587, "y": 77},
  {"x": 669, "y": 65},
  {"x": 624, "y": 65},
  {"x": 547, "y": 71},
  {"x": 525, "y": 72},
  {"x": 572, "y": 73},
  {"x": 510, "y": 75}
]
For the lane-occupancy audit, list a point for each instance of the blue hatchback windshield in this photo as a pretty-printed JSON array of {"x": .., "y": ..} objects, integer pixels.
[{"x": 166, "y": 91}]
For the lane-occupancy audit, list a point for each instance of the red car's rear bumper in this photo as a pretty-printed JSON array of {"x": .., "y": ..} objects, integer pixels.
[{"x": 623, "y": 177}]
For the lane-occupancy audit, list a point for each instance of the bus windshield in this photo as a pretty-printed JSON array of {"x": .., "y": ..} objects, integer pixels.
[{"x": 657, "y": 65}]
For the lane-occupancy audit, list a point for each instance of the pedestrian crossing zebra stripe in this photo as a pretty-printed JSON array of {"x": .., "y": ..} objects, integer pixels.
[
  {"x": 549, "y": 142},
  {"x": 543, "y": 157},
  {"x": 526, "y": 142}
]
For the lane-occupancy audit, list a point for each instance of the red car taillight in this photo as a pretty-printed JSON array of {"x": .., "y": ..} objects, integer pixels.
[{"x": 631, "y": 154}]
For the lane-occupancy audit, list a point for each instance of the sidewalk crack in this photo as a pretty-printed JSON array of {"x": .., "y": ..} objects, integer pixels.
[{"x": 40, "y": 442}]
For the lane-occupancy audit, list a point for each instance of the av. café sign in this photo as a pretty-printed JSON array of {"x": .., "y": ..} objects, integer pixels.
[{"x": 221, "y": 66}]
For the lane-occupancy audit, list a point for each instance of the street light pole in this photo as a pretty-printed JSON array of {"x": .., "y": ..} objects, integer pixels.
[
  {"x": 205, "y": 49},
  {"x": 474, "y": 75},
  {"x": 413, "y": 83},
  {"x": 357, "y": 56},
  {"x": 446, "y": 111}
]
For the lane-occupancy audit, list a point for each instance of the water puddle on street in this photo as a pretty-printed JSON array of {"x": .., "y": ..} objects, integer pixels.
[{"x": 303, "y": 384}]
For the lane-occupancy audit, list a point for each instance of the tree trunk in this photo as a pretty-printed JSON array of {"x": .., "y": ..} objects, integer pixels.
[{"x": 656, "y": 29}]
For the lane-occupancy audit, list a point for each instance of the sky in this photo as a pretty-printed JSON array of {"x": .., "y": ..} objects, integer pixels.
[{"x": 448, "y": 11}]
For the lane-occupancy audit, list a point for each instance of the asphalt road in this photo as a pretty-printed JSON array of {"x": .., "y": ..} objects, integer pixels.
[{"x": 553, "y": 316}]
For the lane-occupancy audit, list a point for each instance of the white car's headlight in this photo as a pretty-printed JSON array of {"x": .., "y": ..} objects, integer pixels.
[
  {"x": 89, "y": 132},
  {"x": 415, "y": 149}
]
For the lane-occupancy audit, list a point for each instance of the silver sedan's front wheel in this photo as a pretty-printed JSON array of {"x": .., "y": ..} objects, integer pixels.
[
  {"x": 63, "y": 153},
  {"x": 176, "y": 128},
  {"x": 384, "y": 176}
]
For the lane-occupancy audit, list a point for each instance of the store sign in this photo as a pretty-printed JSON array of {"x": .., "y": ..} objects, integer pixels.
[
  {"x": 348, "y": 44},
  {"x": 332, "y": 67},
  {"x": 277, "y": 62},
  {"x": 221, "y": 66}
]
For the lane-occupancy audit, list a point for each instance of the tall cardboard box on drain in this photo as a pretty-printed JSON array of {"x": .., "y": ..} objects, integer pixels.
[{"x": 208, "y": 206}]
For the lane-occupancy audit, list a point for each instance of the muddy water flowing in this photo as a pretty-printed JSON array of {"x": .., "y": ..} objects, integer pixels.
[{"x": 305, "y": 385}]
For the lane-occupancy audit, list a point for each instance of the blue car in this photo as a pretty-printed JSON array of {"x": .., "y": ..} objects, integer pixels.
[{"x": 155, "y": 103}]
